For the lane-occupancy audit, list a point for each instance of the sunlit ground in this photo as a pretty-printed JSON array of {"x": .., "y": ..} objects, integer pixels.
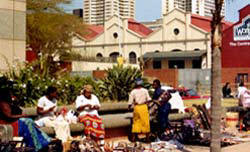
[{"x": 225, "y": 103}]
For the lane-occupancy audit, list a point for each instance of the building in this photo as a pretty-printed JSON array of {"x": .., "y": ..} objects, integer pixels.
[
  {"x": 78, "y": 12},
  {"x": 181, "y": 41},
  {"x": 200, "y": 7},
  {"x": 98, "y": 11},
  {"x": 12, "y": 33},
  {"x": 236, "y": 50}
]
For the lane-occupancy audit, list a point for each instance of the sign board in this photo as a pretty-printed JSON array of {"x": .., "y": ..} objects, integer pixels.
[{"x": 242, "y": 30}]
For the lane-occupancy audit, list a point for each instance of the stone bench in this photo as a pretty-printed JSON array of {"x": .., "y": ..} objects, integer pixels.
[{"x": 116, "y": 118}]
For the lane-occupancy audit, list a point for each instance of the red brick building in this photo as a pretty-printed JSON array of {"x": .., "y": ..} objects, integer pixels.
[{"x": 236, "y": 49}]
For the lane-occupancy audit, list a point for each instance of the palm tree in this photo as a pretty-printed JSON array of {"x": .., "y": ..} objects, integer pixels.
[{"x": 216, "y": 36}]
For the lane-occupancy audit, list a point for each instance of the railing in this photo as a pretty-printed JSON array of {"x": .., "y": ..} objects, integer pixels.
[{"x": 105, "y": 59}]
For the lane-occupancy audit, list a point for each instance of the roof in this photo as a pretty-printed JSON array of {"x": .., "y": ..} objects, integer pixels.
[
  {"x": 93, "y": 31},
  {"x": 139, "y": 28},
  {"x": 175, "y": 55},
  {"x": 204, "y": 22}
]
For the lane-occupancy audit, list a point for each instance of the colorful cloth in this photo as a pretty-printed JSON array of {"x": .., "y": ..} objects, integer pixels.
[
  {"x": 93, "y": 126},
  {"x": 141, "y": 119},
  {"x": 32, "y": 136}
]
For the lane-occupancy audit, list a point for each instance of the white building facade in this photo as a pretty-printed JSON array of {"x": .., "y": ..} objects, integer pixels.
[
  {"x": 181, "y": 41},
  {"x": 199, "y": 7},
  {"x": 98, "y": 11}
]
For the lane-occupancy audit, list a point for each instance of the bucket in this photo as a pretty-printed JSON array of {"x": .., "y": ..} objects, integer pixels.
[{"x": 232, "y": 119}]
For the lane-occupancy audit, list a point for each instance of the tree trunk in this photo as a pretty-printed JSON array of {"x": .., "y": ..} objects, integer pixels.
[{"x": 216, "y": 33}]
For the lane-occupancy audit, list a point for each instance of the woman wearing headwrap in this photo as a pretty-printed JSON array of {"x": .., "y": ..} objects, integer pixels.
[
  {"x": 138, "y": 98},
  {"x": 88, "y": 105}
]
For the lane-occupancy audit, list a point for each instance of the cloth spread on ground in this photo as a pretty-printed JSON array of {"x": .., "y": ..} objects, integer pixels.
[
  {"x": 93, "y": 126},
  {"x": 177, "y": 102},
  {"x": 61, "y": 127},
  {"x": 32, "y": 136},
  {"x": 141, "y": 119}
]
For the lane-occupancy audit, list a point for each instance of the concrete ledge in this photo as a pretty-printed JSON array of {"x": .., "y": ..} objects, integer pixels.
[
  {"x": 236, "y": 109},
  {"x": 112, "y": 121}
]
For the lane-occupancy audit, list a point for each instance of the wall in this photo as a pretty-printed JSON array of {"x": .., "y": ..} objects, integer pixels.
[
  {"x": 91, "y": 66},
  {"x": 236, "y": 53},
  {"x": 12, "y": 32},
  {"x": 167, "y": 76},
  {"x": 229, "y": 75}
]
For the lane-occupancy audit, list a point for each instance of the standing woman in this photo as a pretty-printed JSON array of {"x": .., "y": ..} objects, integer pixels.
[
  {"x": 88, "y": 105},
  {"x": 23, "y": 127},
  {"x": 138, "y": 98}
]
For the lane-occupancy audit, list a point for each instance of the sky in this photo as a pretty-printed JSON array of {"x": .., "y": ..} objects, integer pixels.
[{"x": 148, "y": 10}]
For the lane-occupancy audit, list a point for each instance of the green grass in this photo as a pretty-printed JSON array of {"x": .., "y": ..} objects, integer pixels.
[{"x": 225, "y": 103}]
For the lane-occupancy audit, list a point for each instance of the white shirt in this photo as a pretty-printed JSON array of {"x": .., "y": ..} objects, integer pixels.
[
  {"x": 240, "y": 91},
  {"x": 138, "y": 96},
  {"x": 245, "y": 97},
  {"x": 82, "y": 101},
  {"x": 46, "y": 104}
]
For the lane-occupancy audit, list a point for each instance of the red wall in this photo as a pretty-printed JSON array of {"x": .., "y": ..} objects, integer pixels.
[{"x": 235, "y": 55}]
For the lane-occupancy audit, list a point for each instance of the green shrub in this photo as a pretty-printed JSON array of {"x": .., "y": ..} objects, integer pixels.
[
  {"x": 28, "y": 85},
  {"x": 119, "y": 83}
]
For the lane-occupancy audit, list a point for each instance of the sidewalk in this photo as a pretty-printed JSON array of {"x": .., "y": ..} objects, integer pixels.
[{"x": 243, "y": 147}]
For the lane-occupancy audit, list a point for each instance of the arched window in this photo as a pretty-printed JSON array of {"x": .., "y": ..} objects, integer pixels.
[
  {"x": 157, "y": 51},
  {"x": 114, "y": 56},
  {"x": 176, "y": 50},
  {"x": 99, "y": 55},
  {"x": 196, "y": 49},
  {"x": 132, "y": 57}
]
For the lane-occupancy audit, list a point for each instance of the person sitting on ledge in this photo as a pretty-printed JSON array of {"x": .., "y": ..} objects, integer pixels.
[
  {"x": 88, "y": 105},
  {"x": 24, "y": 127}
]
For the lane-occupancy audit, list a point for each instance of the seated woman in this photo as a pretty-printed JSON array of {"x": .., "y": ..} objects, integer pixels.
[
  {"x": 48, "y": 115},
  {"x": 23, "y": 127},
  {"x": 87, "y": 104}
]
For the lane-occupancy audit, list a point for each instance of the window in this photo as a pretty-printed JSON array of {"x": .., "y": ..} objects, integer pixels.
[
  {"x": 196, "y": 49},
  {"x": 132, "y": 57},
  {"x": 176, "y": 64},
  {"x": 115, "y": 35},
  {"x": 196, "y": 64},
  {"x": 241, "y": 77},
  {"x": 176, "y": 31},
  {"x": 114, "y": 56},
  {"x": 176, "y": 50},
  {"x": 157, "y": 51},
  {"x": 157, "y": 64},
  {"x": 99, "y": 55}
]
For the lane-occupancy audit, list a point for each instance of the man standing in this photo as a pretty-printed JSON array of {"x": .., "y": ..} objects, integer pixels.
[
  {"x": 164, "y": 107},
  {"x": 138, "y": 98}
]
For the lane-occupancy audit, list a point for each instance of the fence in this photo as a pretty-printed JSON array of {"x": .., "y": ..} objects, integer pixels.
[{"x": 198, "y": 79}]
